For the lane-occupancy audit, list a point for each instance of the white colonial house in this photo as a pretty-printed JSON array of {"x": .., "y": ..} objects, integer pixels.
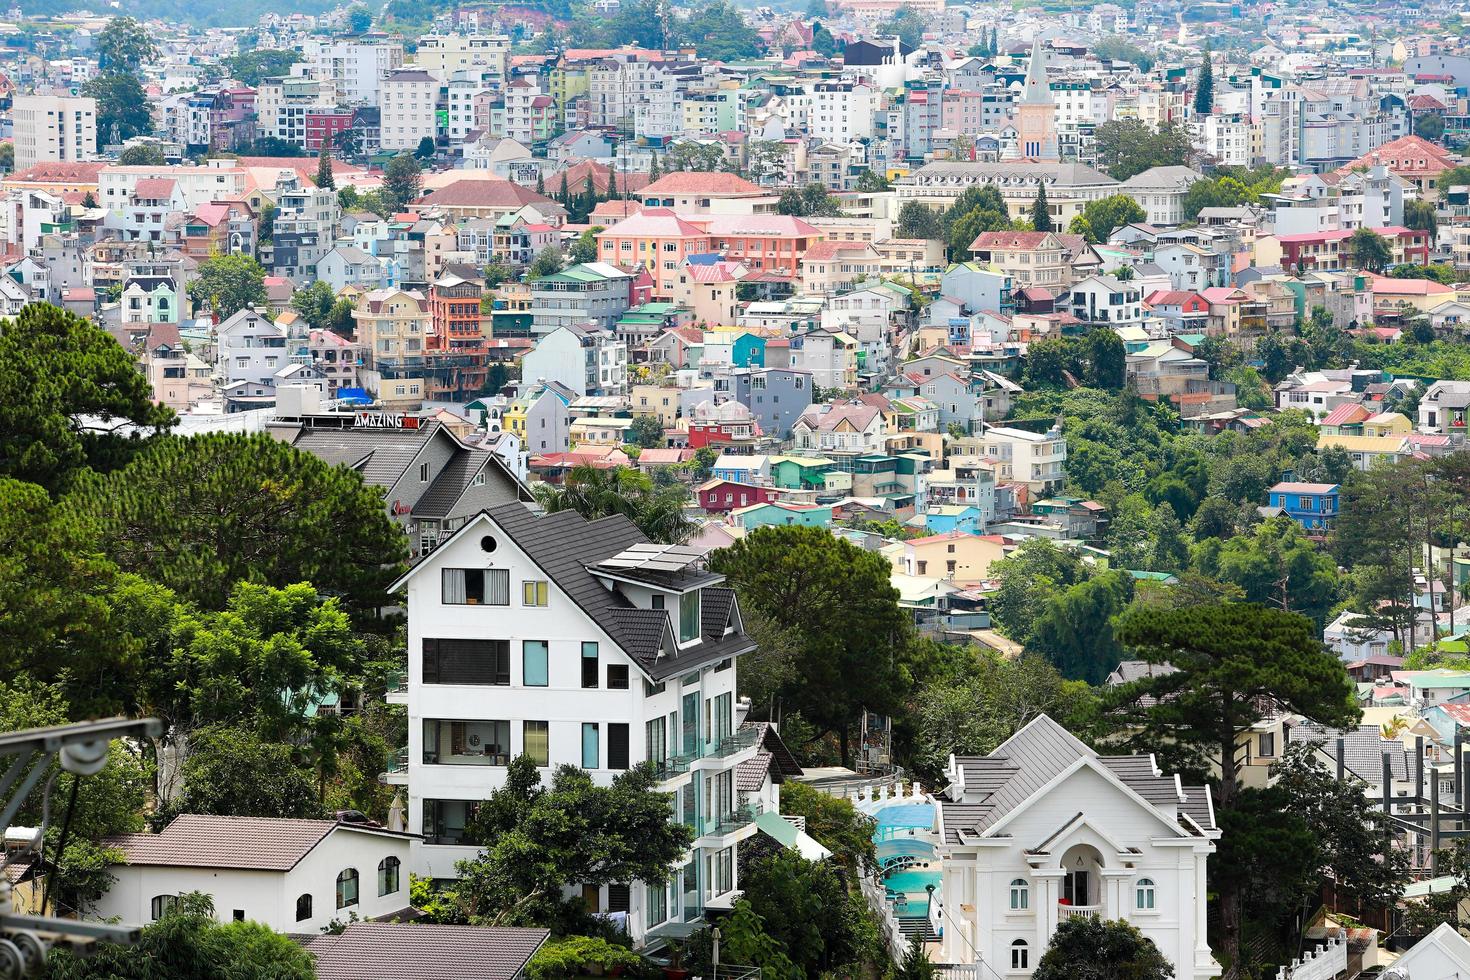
[
  {"x": 292, "y": 875},
  {"x": 577, "y": 643},
  {"x": 1044, "y": 828}
]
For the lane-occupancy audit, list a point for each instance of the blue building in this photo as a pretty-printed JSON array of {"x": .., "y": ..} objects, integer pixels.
[{"x": 1312, "y": 505}]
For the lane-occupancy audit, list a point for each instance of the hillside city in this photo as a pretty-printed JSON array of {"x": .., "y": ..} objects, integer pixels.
[{"x": 875, "y": 489}]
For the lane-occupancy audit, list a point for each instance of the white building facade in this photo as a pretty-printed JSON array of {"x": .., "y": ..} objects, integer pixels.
[
  {"x": 576, "y": 643},
  {"x": 1044, "y": 828}
]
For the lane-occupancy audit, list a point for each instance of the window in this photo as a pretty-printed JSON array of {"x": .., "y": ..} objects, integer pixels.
[
  {"x": 238, "y": 915},
  {"x": 1020, "y": 895},
  {"x": 656, "y": 903},
  {"x": 591, "y": 750},
  {"x": 347, "y": 888},
  {"x": 1019, "y": 955},
  {"x": 1266, "y": 744},
  {"x": 388, "y": 871},
  {"x": 534, "y": 663},
  {"x": 466, "y": 661},
  {"x": 303, "y": 907},
  {"x": 475, "y": 586},
  {"x": 164, "y": 904},
  {"x": 423, "y": 472},
  {"x": 533, "y": 593},
  {"x": 655, "y": 736},
  {"x": 689, "y": 616},
  {"x": 589, "y": 664},
  {"x": 536, "y": 741},
  {"x": 445, "y": 820},
  {"x": 466, "y": 743},
  {"x": 617, "y": 745},
  {"x": 1145, "y": 894},
  {"x": 617, "y": 677}
]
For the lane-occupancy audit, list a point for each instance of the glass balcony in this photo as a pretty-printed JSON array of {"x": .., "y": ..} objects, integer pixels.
[
  {"x": 674, "y": 765},
  {"x": 728, "y": 823},
  {"x": 737, "y": 741}
]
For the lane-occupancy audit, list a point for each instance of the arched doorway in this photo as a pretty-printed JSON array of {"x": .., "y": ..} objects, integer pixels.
[{"x": 1082, "y": 885}]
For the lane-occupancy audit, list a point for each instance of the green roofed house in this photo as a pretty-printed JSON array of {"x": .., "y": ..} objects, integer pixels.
[
  {"x": 781, "y": 514},
  {"x": 592, "y": 291},
  {"x": 799, "y": 472},
  {"x": 640, "y": 324}
]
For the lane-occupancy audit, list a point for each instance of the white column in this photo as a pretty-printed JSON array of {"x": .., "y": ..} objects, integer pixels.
[
  {"x": 1049, "y": 882},
  {"x": 1202, "y": 955},
  {"x": 1116, "y": 904}
]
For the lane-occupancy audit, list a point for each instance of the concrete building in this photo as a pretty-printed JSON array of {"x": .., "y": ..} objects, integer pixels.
[{"x": 52, "y": 128}]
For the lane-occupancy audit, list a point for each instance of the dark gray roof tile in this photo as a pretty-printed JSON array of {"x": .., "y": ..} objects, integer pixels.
[{"x": 416, "y": 951}]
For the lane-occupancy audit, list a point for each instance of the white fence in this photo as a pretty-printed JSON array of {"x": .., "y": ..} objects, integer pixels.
[
  {"x": 877, "y": 897},
  {"x": 1323, "y": 963}
]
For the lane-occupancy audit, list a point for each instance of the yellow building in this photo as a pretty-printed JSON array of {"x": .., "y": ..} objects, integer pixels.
[
  {"x": 391, "y": 326},
  {"x": 954, "y": 555}
]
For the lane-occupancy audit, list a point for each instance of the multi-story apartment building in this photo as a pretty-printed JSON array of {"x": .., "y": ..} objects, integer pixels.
[
  {"x": 464, "y": 92},
  {"x": 455, "y": 365},
  {"x": 356, "y": 65},
  {"x": 448, "y": 53},
  {"x": 576, "y": 643},
  {"x": 408, "y": 100},
  {"x": 391, "y": 326},
  {"x": 54, "y": 127},
  {"x": 1033, "y": 458},
  {"x": 530, "y": 114},
  {"x": 250, "y": 349},
  {"x": 594, "y": 292},
  {"x": 306, "y": 221},
  {"x": 842, "y": 110}
]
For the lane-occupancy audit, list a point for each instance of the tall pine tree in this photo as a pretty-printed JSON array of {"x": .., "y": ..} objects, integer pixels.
[
  {"x": 564, "y": 198},
  {"x": 612, "y": 183},
  {"x": 541, "y": 183},
  {"x": 654, "y": 173},
  {"x": 1204, "y": 93},
  {"x": 324, "y": 176},
  {"x": 1040, "y": 211}
]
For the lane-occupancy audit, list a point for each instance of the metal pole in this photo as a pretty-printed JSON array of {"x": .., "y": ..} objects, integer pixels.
[
  {"x": 1419, "y": 770},
  {"x": 1434, "y": 826},
  {"x": 1341, "y": 758},
  {"x": 1459, "y": 746}
]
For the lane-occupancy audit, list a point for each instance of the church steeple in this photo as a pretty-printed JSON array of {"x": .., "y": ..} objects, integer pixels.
[
  {"x": 1035, "y": 114},
  {"x": 1037, "y": 90}
]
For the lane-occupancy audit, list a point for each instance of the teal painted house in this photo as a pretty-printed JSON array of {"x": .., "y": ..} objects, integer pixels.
[
  {"x": 783, "y": 515},
  {"x": 748, "y": 351}
]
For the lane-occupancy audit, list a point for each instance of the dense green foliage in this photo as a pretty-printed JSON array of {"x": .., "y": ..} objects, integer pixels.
[
  {"x": 227, "y": 284},
  {"x": 1126, "y": 147},
  {"x": 594, "y": 493},
  {"x": 70, "y": 398},
  {"x": 1101, "y": 949}
]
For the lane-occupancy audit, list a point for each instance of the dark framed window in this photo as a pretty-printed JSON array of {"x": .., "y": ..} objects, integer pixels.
[
  {"x": 388, "y": 875},
  {"x": 347, "y": 888},
  {"x": 589, "y": 664},
  {"x": 617, "y": 745},
  {"x": 455, "y": 661},
  {"x": 475, "y": 586},
  {"x": 617, "y": 677},
  {"x": 303, "y": 907}
]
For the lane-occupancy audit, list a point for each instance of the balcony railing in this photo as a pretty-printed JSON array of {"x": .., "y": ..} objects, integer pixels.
[
  {"x": 398, "y": 762},
  {"x": 1079, "y": 911},
  {"x": 674, "y": 765},
  {"x": 728, "y": 823},
  {"x": 738, "y": 741}
]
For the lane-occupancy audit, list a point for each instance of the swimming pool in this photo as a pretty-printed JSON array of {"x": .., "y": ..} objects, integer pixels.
[{"x": 910, "y": 890}]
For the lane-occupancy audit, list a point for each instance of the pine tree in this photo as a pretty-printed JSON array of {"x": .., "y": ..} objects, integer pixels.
[
  {"x": 589, "y": 192},
  {"x": 1204, "y": 94},
  {"x": 653, "y": 172},
  {"x": 541, "y": 183},
  {"x": 565, "y": 197},
  {"x": 1040, "y": 211},
  {"x": 612, "y": 183},
  {"x": 324, "y": 177}
]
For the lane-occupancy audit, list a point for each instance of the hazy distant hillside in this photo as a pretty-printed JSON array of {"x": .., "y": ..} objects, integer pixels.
[{"x": 215, "y": 13}]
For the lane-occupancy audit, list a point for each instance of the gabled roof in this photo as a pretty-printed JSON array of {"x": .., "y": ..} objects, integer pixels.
[
  {"x": 194, "y": 840},
  {"x": 998, "y": 785},
  {"x": 567, "y": 547},
  {"x": 714, "y": 183},
  {"x": 417, "y": 951}
]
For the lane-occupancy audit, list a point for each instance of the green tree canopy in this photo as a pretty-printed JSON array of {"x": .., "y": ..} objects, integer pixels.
[
  {"x": 141, "y": 155},
  {"x": 537, "y": 840},
  {"x": 122, "y": 107},
  {"x": 233, "y": 772},
  {"x": 252, "y": 66},
  {"x": 1101, "y": 949},
  {"x": 838, "y": 600},
  {"x": 68, "y": 397},
  {"x": 403, "y": 181},
  {"x": 203, "y": 513},
  {"x": 917, "y": 220},
  {"x": 1370, "y": 250},
  {"x": 657, "y": 511},
  {"x": 124, "y": 46},
  {"x": 1126, "y": 147},
  {"x": 1075, "y": 628},
  {"x": 1105, "y": 215},
  {"x": 228, "y": 284}
]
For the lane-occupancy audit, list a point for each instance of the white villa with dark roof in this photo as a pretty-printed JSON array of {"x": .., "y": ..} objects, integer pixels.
[
  {"x": 578, "y": 643},
  {"x": 292, "y": 875},
  {"x": 1045, "y": 828}
]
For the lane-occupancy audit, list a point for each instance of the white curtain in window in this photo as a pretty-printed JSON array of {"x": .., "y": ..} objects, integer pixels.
[
  {"x": 454, "y": 591},
  {"x": 497, "y": 587}
]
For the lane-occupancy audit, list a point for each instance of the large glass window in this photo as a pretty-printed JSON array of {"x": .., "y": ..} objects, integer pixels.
[
  {"x": 388, "y": 875},
  {"x": 534, "y": 670},
  {"x": 589, "y": 664},
  {"x": 347, "y": 888},
  {"x": 476, "y": 586},
  {"x": 654, "y": 736},
  {"x": 656, "y": 899},
  {"x": 445, "y": 820},
  {"x": 723, "y": 721},
  {"x": 690, "y": 706},
  {"x": 536, "y": 739},
  {"x": 466, "y": 743},
  {"x": 591, "y": 745},
  {"x": 689, "y": 616},
  {"x": 453, "y": 661},
  {"x": 617, "y": 745}
]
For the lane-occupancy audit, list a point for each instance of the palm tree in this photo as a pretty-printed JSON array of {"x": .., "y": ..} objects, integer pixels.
[{"x": 594, "y": 493}]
